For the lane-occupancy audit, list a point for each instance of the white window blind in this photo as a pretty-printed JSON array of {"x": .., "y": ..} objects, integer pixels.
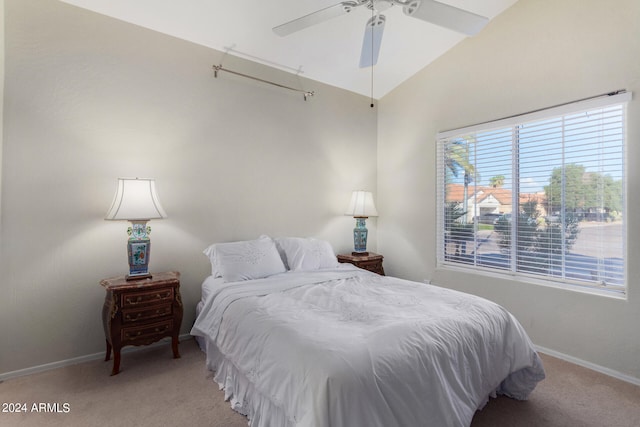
[{"x": 540, "y": 195}]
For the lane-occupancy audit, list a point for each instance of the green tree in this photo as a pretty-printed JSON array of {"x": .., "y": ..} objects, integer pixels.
[
  {"x": 572, "y": 176},
  {"x": 602, "y": 191},
  {"x": 497, "y": 181},
  {"x": 583, "y": 190},
  {"x": 526, "y": 228},
  {"x": 539, "y": 241},
  {"x": 457, "y": 159}
]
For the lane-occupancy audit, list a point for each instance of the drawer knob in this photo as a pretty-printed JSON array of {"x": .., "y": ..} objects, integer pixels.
[
  {"x": 133, "y": 336},
  {"x": 132, "y": 302}
]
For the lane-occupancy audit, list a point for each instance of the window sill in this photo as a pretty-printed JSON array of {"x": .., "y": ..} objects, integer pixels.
[{"x": 613, "y": 293}]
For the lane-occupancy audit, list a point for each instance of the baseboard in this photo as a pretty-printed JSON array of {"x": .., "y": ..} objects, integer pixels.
[
  {"x": 73, "y": 361},
  {"x": 589, "y": 365}
]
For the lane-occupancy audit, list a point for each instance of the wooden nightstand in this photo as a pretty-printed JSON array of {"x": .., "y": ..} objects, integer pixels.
[
  {"x": 371, "y": 262},
  {"x": 140, "y": 312}
]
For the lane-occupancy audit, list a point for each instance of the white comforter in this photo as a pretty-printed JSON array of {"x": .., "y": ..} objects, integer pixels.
[{"x": 351, "y": 348}]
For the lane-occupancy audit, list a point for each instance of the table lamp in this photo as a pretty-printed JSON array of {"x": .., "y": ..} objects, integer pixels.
[
  {"x": 361, "y": 207},
  {"x": 136, "y": 200}
]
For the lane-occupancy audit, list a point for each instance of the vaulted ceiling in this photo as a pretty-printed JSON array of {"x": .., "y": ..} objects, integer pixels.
[{"x": 328, "y": 52}]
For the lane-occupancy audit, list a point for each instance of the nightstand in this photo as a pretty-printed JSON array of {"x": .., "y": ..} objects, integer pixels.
[
  {"x": 141, "y": 312},
  {"x": 371, "y": 262}
]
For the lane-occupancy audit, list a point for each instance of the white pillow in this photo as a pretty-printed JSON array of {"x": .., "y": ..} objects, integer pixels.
[
  {"x": 305, "y": 254},
  {"x": 210, "y": 252},
  {"x": 247, "y": 260}
]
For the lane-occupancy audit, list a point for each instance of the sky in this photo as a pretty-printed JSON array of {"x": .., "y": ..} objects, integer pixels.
[{"x": 592, "y": 138}]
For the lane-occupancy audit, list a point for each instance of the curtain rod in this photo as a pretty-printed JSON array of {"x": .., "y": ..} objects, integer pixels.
[
  {"x": 304, "y": 93},
  {"x": 603, "y": 95}
]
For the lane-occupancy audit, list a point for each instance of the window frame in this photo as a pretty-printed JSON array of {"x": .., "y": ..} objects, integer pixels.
[{"x": 610, "y": 100}]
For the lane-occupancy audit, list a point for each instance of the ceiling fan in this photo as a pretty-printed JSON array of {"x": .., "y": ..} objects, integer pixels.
[{"x": 431, "y": 11}]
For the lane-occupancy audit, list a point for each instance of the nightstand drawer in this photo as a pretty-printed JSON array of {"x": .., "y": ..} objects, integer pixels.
[
  {"x": 146, "y": 313},
  {"x": 370, "y": 262},
  {"x": 136, "y": 299},
  {"x": 146, "y": 331},
  {"x": 373, "y": 266}
]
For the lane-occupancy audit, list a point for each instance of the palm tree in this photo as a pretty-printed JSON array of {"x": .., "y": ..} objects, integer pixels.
[
  {"x": 456, "y": 160},
  {"x": 497, "y": 181}
]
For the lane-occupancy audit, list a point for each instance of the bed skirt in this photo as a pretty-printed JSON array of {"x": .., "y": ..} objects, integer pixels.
[{"x": 241, "y": 393}]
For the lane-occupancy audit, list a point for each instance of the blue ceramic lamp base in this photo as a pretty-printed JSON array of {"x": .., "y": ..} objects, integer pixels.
[
  {"x": 360, "y": 233},
  {"x": 138, "y": 250}
]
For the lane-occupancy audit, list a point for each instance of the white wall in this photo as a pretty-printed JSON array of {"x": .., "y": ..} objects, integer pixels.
[
  {"x": 536, "y": 54},
  {"x": 1, "y": 102},
  {"x": 89, "y": 99}
]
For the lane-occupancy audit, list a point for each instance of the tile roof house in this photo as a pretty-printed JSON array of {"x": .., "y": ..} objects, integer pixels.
[{"x": 483, "y": 200}]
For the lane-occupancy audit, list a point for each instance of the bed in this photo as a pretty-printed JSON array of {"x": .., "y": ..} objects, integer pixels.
[{"x": 296, "y": 339}]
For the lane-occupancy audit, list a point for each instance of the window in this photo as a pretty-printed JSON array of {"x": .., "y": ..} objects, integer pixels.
[{"x": 540, "y": 195}]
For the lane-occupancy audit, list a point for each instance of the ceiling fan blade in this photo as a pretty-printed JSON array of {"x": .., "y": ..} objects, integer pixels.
[
  {"x": 314, "y": 18},
  {"x": 372, "y": 41},
  {"x": 446, "y": 16}
]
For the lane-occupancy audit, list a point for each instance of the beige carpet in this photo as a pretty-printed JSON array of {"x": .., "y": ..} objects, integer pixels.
[{"x": 154, "y": 389}]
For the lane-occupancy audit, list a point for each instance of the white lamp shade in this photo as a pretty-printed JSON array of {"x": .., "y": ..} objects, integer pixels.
[
  {"x": 361, "y": 205},
  {"x": 136, "y": 199}
]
